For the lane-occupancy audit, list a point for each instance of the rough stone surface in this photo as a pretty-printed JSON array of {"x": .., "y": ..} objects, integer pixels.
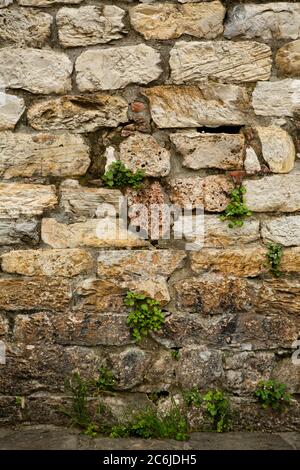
[
  {"x": 93, "y": 233},
  {"x": 142, "y": 152},
  {"x": 85, "y": 202},
  {"x": 114, "y": 68},
  {"x": 25, "y": 26},
  {"x": 34, "y": 70},
  {"x": 46, "y": 3},
  {"x": 222, "y": 151},
  {"x": 240, "y": 262},
  {"x": 251, "y": 163},
  {"x": 78, "y": 113},
  {"x": 17, "y": 199},
  {"x": 277, "y": 148},
  {"x": 168, "y": 21},
  {"x": 275, "y": 296},
  {"x": 193, "y": 62},
  {"x": 283, "y": 230},
  {"x": 195, "y": 106},
  {"x": 14, "y": 232},
  {"x": 272, "y": 20},
  {"x": 11, "y": 109},
  {"x": 288, "y": 59},
  {"x": 281, "y": 98},
  {"x": 65, "y": 263},
  {"x": 273, "y": 194},
  {"x": 89, "y": 25},
  {"x": 42, "y": 155},
  {"x": 35, "y": 293}
]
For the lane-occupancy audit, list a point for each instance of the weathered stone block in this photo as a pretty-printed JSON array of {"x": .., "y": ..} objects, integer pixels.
[
  {"x": 78, "y": 113},
  {"x": 93, "y": 233},
  {"x": 42, "y": 155},
  {"x": 84, "y": 202},
  {"x": 62, "y": 263},
  {"x": 288, "y": 373},
  {"x": 274, "y": 193},
  {"x": 35, "y": 293},
  {"x": 288, "y": 59},
  {"x": 284, "y": 230},
  {"x": 114, "y": 68},
  {"x": 169, "y": 21},
  {"x": 275, "y": 296},
  {"x": 33, "y": 329},
  {"x": 271, "y": 20},
  {"x": 281, "y": 98},
  {"x": 277, "y": 148},
  {"x": 222, "y": 151},
  {"x": 11, "y": 109},
  {"x": 143, "y": 152},
  {"x": 20, "y": 231},
  {"x": 195, "y": 106},
  {"x": 17, "y": 199},
  {"x": 35, "y": 70},
  {"x": 25, "y": 26},
  {"x": 89, "y": 25},
  {"x": 129, "y": 366},
  {"x": 194, "y": 62},
  {"x": 46, "y": 3}
]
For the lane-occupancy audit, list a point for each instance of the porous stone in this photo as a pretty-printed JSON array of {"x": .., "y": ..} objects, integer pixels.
[
  {"x": 5, "y": 3},
  {"x": 211, "y": 192},
  {"x": 82, "y": 328},
  {"x": 277, "y": 148},
  {"x": 169, "y": 21},
  {"x": 288, "y": 373},
  {"x": 273, "y": 193},
  {"x": 251, "y": 162},
  {"x": 280, "y": 98},
  {"x": 46, "y": 3},
  {"x": 11, "y": 109},
  {"x": 17, "y": 199},
  {"x": 42, "y": 155},
  {"x": 33, "y": 329},
  {"x": 143, "y": 152},
  {"x": 288, "y": 59},
  {"x": 100, "y": 295},
  {"x": 194, "y": 62},
  {"x": 195, "y": 106},
  {"x": 62, "y": 263},
  {"x": 275, "y": 296},
  {"x": 278, "y": 20},
  {"x": 282, "y": 230},
  {"x": 34, "y": 293},
  {"x": 25, "y": 26},
  {"x": 84, "y": 202},
  {"x": 35, "y": 70},
  {"x": 129, "y": 367},
  {"x": 210, "y": 294},
  {"x": 15, "y": 232},
  {"x": 78, "y": 113},
  {"x": 117, "y": 67},
  {"x": 290, "y": 261},
  {"x": 93, "y": 233},
  {"x": 121, "y": 263},
  {"x": 241, "y": 262},
  {"x": 200, "y": 150},
  {"x": 89, "y": 25}
]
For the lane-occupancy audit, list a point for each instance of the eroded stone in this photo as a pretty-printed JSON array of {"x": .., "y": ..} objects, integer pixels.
[
  {"x": 288, "y": 59},
  {"x": 11, "y": 109},
  {"x": 281, "y": 98},
  {"x": 19, "y": 231},
  {"x": 17, "y": 199},
  {"x": 282, "y": 230},
  {"x": 277, "y": 148}
]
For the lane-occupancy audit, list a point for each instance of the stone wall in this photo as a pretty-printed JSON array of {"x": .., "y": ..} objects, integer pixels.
[{"x": 200, "y": 95}]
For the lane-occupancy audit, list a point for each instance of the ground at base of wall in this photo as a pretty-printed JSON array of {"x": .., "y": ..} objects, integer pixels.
[{"x": 58, "y": 438}]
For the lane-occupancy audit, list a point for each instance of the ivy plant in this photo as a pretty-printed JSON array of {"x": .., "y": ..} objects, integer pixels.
[
  {"x": 272, "y": 394},
  {"x": 118, "y": 176},
  {"x": 216, "y": 405},
  {"x": 274, "y": 255},
  {"x": 236, "y": 211},
  {"x": 145, "y": 315}
]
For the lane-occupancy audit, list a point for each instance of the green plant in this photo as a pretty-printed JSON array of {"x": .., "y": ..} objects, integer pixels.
[
  {"x": 79, "y": 412},
  {"x": 193, "y": 397},
  {"x": 274, "y": 255},
  {"x": 105, "y": 380},
  {"x": 19, "y": 401},
  {"x": 236, "y": 211},
  {"x": 145, "y": 315},
  {"x": 118, "y": 176},
  {"x": 175, "y": 353},
  {"x": 217, "y": 408},
  {"x": 272, "y": 394},
  {"x": 150, "y": 424}
]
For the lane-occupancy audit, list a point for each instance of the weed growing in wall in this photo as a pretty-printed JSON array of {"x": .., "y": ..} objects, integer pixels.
[
  {"x": 118, "y": 176},
  {"x": 193, "y": 397},
  {"x": 272, "y": 394},
  {"x": 145, "y": 315},
  {"x": 274, "y": 255},
  {"x": 216, "y": 405},
  {"x": 106, "y": 380},
  {"x": 236, "y": 211}
]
